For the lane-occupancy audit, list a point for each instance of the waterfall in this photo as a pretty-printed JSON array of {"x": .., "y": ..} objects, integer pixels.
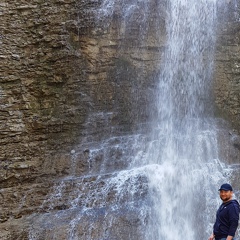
[
  {"x": 166, "y": 185},
  {"x": 182, "y": 163},
  {"x": 183, "y": 153}
]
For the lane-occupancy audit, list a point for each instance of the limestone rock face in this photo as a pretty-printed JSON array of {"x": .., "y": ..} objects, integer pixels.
[
  {"x": 65, "y": 86},
  {"x": 227, "y": 87},
  {"x": 70, "y": 80},
  {"x": 63, "y": 82}
]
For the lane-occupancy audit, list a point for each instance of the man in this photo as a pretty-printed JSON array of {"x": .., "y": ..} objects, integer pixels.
[{"x": 227, "y": 215}]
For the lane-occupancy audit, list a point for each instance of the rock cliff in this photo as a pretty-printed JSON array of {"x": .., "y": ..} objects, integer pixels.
[{"x": 69, "y": 79}]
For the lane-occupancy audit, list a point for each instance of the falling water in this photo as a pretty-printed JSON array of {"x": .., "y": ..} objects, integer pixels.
[
  {"x": 183, "y": 152},
  {"x": 184, "y": 134},
  {"x": 170, "y": 181}
]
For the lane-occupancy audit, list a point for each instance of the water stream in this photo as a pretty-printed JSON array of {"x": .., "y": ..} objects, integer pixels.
[
  {"x": 183, "y": 151},
  {"x": 169, "y": 183}
]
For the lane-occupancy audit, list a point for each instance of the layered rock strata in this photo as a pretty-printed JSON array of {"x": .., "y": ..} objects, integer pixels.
[{"x": 70, "y": 81}]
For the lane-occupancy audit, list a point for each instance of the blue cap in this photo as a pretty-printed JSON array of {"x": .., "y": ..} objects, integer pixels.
[{"x": 225, "y": 187}]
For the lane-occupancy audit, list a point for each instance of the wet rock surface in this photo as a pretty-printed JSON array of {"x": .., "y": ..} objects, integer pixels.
[
  {"x": 226, "y": 85},
  {"x": 107, "y": 206},
  {"x": 125, "y": 223},
  {"x": 70, "y": 82}
]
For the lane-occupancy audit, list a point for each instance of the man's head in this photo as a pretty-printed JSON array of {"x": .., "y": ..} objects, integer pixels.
[{"x": 226, "y": 192}]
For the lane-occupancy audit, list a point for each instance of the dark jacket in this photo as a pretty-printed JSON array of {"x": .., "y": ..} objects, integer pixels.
[{"x": 226, "y": 219}]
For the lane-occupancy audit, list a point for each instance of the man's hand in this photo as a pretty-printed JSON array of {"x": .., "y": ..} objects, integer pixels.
[
  {"x": 211, "y": 237},
  {"x": 229, "y": 237}
]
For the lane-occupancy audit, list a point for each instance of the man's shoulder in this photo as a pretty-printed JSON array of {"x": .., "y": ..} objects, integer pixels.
[
  {"x": 231, "y": 202},
  {"x": 234, "y": 205},
  {"x": 235, "y": 202}
]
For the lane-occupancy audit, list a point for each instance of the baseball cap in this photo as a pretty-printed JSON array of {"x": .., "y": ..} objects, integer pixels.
[{"x": 226, "y": 187}]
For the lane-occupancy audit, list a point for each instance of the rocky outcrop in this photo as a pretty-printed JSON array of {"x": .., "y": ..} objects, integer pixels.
[
  {"x": 68, "y": 80},
  {"x": 64, "y": 85},
  {"x": 37, "y": 77},
  {"x": 64, "y": 82},
  {"x": 227, "y": 87}
]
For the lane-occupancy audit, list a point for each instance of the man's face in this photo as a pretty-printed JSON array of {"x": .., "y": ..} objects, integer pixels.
[{"x": 226, "y": 195}]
